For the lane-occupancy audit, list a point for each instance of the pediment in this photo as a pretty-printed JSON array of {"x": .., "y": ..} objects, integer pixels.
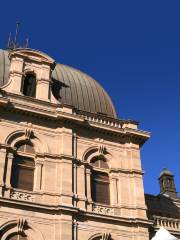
[{"x": 33, "y": 55}]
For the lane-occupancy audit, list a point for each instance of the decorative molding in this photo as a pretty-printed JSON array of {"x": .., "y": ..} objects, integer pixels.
[
  {"x": 103, "y": 210},
  {"x": 106, "y": 236},
  {"x": 20, "y": 225},
  {"x": 28, "y": 133},
  {"x": 20, "y": 195},
  {"x": 168, "y": 223},
  {"x": 102, "y": 150}
]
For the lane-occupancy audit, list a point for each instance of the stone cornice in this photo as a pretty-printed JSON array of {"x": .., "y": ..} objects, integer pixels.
[
  {"x": 72, "y": 210},
  {"x": 49, "y": 111}
]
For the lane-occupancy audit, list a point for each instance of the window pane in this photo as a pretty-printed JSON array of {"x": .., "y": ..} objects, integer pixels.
[
  {"x": 100, "y": 176},
  {"x": 100, "y": 163},
  {"x": 22, "y": 176},
  {"x": 25, "y": 161},
  {"x": 103, "y": 164},
  {"x": 17, "y": 237},
  {"x": 95, "y": 163},
  {"x": 25, "y": 147},
  {"x": 29, "y": 88},
  {"x": 29, "y": 148},
  {"x": 100, "y": 187}
]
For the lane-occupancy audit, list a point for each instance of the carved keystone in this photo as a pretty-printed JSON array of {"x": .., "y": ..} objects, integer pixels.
[
  {"x": 106, "y": 236},
  {"x": 20, "y": 225},
  {"x": 102, "y": 149},
  {"x": 28, "y": 133}
]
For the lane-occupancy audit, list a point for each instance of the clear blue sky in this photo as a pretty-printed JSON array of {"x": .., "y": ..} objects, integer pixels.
[{"x": 131, "y": 47}]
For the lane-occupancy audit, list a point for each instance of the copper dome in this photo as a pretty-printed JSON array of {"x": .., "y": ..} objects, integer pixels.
[{"x": 71, "y": 87}]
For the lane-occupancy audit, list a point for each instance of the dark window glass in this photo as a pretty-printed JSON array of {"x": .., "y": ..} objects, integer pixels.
[
  {"x": 26, "y": 147},
  {"x": 100, "y": 163},
  {"x": 97, "y": 238},
  {"x": 22, "y": 176},
  {"x": 100, "y": 187},
  {"x": 17, "y": 237},
  {"x": 29, "y": 87}
]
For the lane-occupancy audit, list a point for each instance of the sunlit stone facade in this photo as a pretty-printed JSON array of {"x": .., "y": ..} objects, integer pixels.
[{"x": 69, "y": 169}]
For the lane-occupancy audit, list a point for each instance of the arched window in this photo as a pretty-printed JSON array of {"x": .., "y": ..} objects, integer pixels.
[
  {"x": 22, "y": 175},
  {"x": 100, "y": 191},
  {"x": 17, "y": 237},
  {"x": 29, "y": 85}
]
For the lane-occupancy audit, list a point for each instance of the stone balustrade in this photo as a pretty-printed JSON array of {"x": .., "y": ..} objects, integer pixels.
[{"x": 169, "y": 223}]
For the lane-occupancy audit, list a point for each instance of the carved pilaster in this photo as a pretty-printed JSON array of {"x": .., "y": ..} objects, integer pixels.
[
  {"x": 114, "y": 189},
  {"x": 88, "y": 189},
  {"x": 81, "y": 186},
  {"x": 10, "y": 157},
  {"x": 2, "y": 168}
]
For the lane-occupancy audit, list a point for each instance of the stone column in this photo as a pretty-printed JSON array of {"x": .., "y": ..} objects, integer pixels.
[
  {"x": 75, "y": 183},
  {"x": 10, "y": 157},
  {"x": 2, "y": 168},
  {"x": 88, "y": 184},
  {"x": 81, "y": 187},
  {"x": 88, "y": 189},
  {"x": 16, "y": 74},
  {"x": 43, "y": 83},
  {"x": 113, "y": 190},
  {"x": 38, "y": 176}
]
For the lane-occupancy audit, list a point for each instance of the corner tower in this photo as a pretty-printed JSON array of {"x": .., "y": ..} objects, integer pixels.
[{"x": 167, "y": 184}]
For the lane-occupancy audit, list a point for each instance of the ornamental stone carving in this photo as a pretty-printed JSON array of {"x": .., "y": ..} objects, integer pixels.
[
  {"x": 18, "y": 195},
  {"x": 103, "y": 210}
]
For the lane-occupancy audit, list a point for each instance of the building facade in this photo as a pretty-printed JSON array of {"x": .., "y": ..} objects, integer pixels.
[{"x": 69, "y": 168}]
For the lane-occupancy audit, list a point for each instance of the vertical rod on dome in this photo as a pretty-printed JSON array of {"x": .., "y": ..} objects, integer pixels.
[
  {"x": 9, "y": 41},
  {"x": 16, "y": 34},
  {"x": 27, "y": 43}
]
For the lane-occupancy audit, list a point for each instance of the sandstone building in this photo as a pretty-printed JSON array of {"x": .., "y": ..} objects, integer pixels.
[{"x": 69, "y": 168}]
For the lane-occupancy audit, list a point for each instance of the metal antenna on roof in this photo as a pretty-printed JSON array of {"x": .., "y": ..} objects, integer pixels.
[
  {"x": 9, "y": 40},
  {"x": 16, "y": 34},
  {"x": 26, "y": 43},
  {"x": 12, "y": 44}
]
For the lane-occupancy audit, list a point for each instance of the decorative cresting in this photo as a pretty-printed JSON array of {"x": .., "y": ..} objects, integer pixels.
[
  {"x": 25, "y": 62},
  {"x": 20, "y": 227}
]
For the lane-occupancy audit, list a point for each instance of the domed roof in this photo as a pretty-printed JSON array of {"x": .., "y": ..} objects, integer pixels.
[
  {"x": 165, "y": 171},
  {"x": 71, "y": 87}
]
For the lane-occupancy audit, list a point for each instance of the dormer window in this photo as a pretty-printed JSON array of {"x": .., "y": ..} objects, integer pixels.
[{"x": 29, "y": 85}]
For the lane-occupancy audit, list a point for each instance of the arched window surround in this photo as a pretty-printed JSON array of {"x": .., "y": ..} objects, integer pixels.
[
  {"x": 40, "y": 146},
  {"x": 9, "y": 228}
]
